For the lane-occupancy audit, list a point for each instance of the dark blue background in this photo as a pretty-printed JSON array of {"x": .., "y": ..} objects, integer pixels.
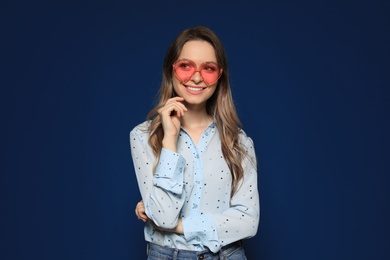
[{"x": 311, "y": 84}]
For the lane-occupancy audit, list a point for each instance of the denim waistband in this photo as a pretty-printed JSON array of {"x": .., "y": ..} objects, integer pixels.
[{"x": 160, "y": 252}]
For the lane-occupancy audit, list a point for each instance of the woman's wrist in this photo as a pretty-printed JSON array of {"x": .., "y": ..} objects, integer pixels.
[
  {"x": 179, "y": 227},
  {"x": 169, "y": 143}
]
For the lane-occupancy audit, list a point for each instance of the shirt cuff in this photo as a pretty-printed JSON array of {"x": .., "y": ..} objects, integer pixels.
[{"x": 169, "y": 172}]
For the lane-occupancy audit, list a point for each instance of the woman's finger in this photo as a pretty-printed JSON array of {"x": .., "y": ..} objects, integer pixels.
[
  {"x": 140, "y": 211},
  {"x": 177, "y": 107},
  {"x": 174, "y": 99}
]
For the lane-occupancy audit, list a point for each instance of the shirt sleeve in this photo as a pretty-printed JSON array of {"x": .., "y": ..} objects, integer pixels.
[
  {"x": 162, "y": 192},
  {"x": 240, "y": 221}
]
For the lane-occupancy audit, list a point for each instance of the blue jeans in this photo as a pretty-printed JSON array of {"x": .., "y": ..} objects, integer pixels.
[{"x": 234, "y": 251}]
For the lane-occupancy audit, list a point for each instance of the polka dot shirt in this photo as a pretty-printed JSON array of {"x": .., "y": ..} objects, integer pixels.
[{"x": 194, "y": 184}]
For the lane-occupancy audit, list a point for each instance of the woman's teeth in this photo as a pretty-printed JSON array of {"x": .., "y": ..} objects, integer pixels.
[{"x": 195, "y": 89}]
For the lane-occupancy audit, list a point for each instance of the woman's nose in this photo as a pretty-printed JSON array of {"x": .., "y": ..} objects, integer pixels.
[{"x": 197, "y": 78}]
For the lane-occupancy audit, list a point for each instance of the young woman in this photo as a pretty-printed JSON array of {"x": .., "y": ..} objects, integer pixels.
[{"x": 195, "y": 166}]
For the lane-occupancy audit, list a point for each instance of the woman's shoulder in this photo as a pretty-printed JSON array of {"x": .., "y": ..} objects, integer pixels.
[
  {"x": 141, "y": 129},
  {"x": 242, "y": 134},
  {"x": 244, "y": 138}
]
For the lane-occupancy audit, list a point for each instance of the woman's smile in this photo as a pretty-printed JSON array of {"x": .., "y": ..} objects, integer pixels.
[{"x": 194, "y": 90}]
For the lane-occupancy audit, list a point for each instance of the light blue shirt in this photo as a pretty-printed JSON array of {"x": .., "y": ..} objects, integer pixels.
[{"x": 194, "y": 184}]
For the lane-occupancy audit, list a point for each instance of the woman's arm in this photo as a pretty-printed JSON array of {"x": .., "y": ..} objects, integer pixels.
[
  {"x": 162, "y": 192},
  {"x": 141, "y": 215}
]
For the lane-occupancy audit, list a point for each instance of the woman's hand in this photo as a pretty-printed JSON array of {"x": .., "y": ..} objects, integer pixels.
[
  {"x": 170, "y": 115},
  {"x": 140, "y": 211}
]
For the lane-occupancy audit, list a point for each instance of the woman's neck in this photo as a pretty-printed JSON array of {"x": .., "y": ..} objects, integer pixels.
[
  {"x": 196, "y": 117},
  {"x": 194, "y": 122}
]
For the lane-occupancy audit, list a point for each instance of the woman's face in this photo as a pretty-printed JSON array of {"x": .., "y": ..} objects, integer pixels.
[{"x": 194, "y": 76}]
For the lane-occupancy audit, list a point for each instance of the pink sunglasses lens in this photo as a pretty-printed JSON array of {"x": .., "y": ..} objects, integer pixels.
[{"x": 185, "y": 69}]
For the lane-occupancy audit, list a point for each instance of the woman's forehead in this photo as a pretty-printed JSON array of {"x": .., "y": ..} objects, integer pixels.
[{"x": 198, "y": 51}]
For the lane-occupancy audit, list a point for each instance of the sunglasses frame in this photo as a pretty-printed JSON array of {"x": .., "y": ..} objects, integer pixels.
[{"x": 198, "y": 69}]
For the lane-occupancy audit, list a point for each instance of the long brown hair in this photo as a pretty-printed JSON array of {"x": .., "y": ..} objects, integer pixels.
[{"x": 220, "y": 105}]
